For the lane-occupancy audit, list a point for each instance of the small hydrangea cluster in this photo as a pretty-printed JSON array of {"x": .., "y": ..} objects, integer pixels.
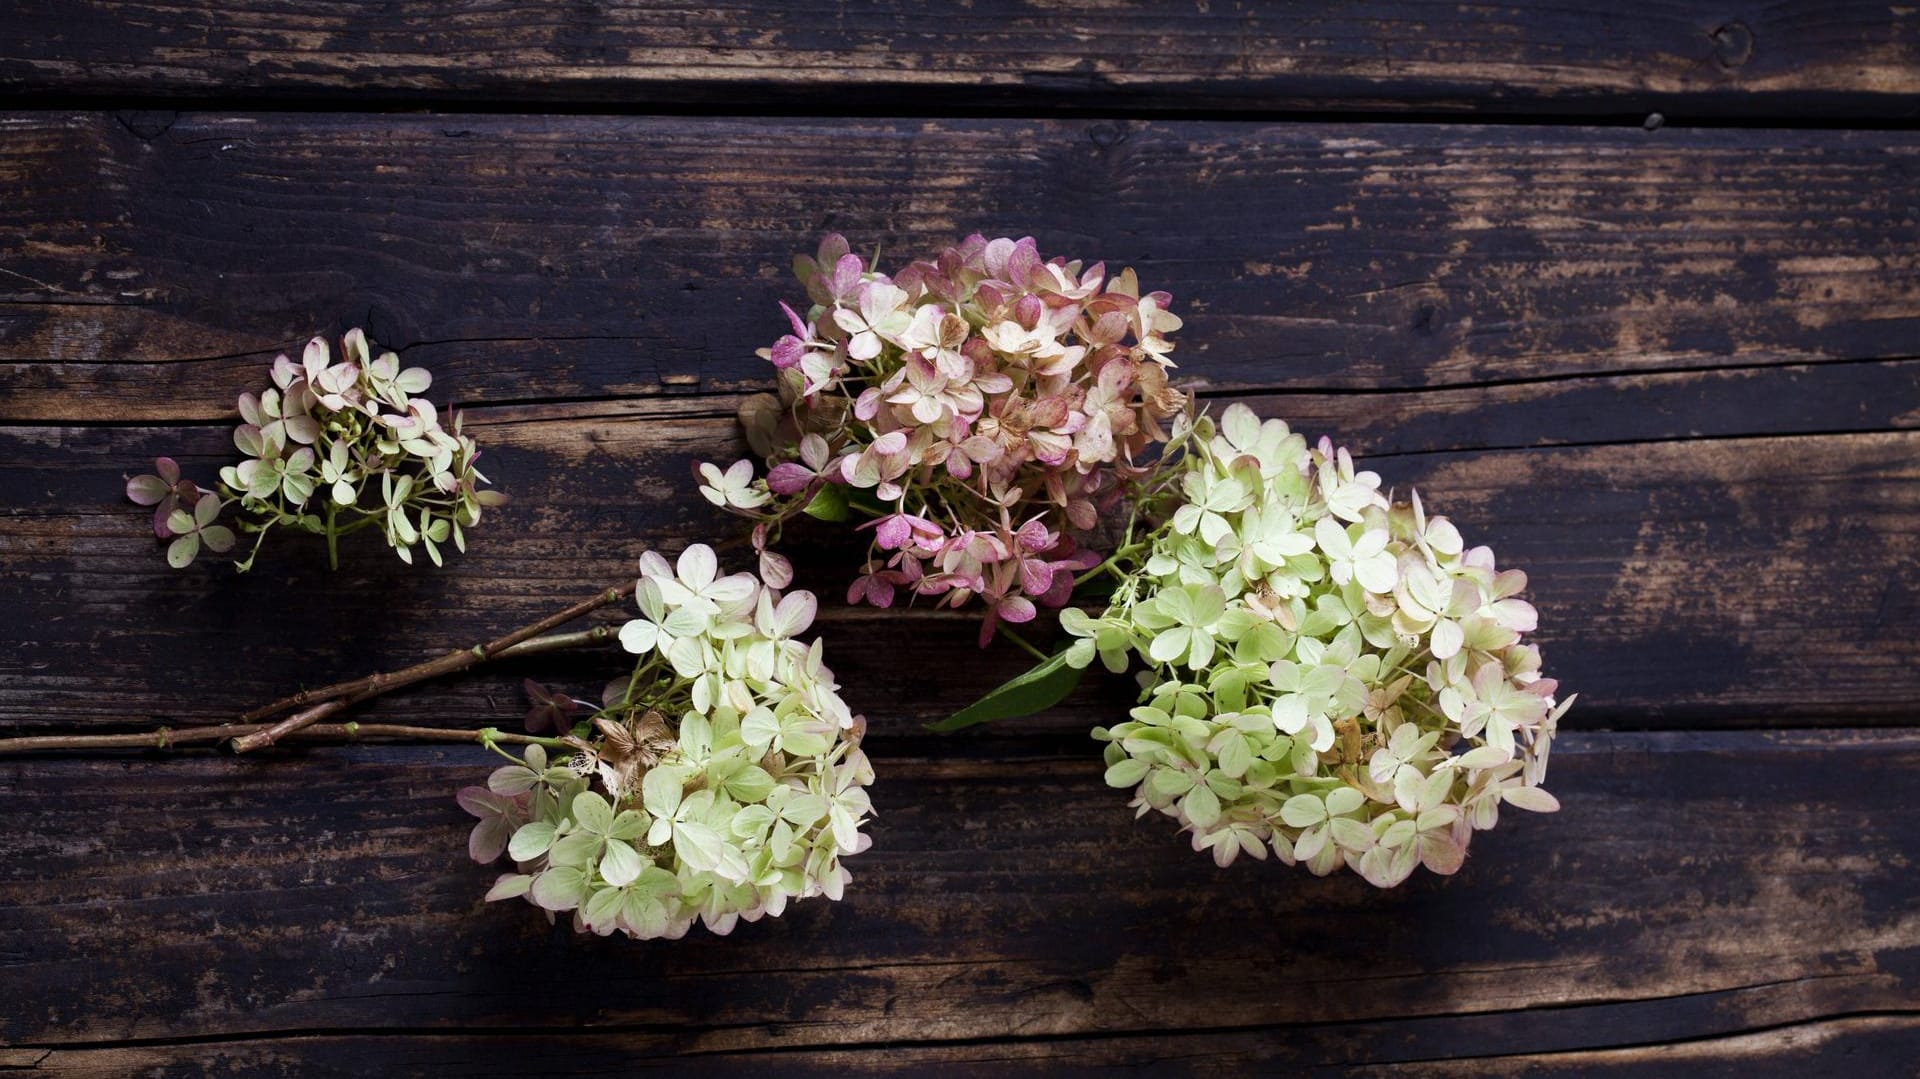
[
  {"x": 1328, "y": 673},
  {"x": 323, "y": 437},
  {"x": 719, "y": 780},
  {"x": 975, "y": 410}
]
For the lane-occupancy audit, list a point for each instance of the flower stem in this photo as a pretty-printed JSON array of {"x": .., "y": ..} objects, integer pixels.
[
  {"x": 327, "y": 700},
  {"x": 333, "y": 536},
  {"x": 164, "y": 738},
  {"x": 1111, "y": 565},
  {"x": 1024, "y": 644}
]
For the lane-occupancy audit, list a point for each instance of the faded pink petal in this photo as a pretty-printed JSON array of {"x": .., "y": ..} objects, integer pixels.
[
  {"x": 874, "y": 588},
  {"x": 800, "y": 329},
  {"x": 1036, "y": 577},
  {"x": 775, "y": 570},
  {"x": 788, "y": 352},
  {"x": 788, "y": 478},
  {"x": 1016, "y": 609},
  {"x": 893, "y": 532},
  {"x": 148, "y": 490},
  {"x": 846, "y": 276}
]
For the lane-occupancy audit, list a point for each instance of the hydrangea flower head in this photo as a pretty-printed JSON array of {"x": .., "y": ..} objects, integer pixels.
[
  {"x": 332, "y": 445},
  {"x": 975, "y": 411},
  {"x": 1328, "y": 674},
  {"x": 721, "y": 779}
]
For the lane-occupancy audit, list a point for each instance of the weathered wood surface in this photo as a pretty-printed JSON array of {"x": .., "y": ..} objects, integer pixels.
[
  {"x": 1868, "y": 1047},
  {"x": 1681, "y": 581},
  {"x": 149, "y": 272},
  {"x": 1673, "y": 374},
  {"x": 1698, "y": 885},
  {"x": 1802, "y": 59}
]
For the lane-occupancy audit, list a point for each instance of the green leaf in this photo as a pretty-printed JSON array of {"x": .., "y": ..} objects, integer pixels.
[
  {"x": 1042, "y": 687},
  {"x": 830, "y": 504}
]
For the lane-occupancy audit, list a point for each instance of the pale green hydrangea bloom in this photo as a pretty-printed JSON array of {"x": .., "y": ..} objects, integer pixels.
[
  {"x": 725, "y": 777},
  {"x": 1328, "y": 674}
]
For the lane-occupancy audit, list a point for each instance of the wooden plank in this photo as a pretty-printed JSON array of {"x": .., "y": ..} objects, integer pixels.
[
  {"x": 1700, "y": 581},
  {"x": 149, "y": 275},
  {"x": 1828, "y": 398},
  {"x": 1857, "y": 1048},
  {"x": 1800, "y": 59},
  {"x": 211, "y": 898}
]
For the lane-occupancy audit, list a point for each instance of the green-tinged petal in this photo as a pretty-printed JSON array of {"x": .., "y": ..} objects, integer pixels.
[{"x": 181, "y": 551}]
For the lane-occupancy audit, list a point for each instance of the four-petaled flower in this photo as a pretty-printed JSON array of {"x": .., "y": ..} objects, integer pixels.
[
  {"x": 165, "y": 491},
  {"x": 192, "y": 528},
  {"x": 1184, "y": 621},
  {"x": 733, "y": 487}
]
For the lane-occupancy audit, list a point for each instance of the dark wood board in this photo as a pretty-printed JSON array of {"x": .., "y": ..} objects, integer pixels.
[
  {"x": 1680, "y": 582},
  {"x": 1697, "y": 885},
  {"x": 1804, "y": 59},
  {"x": 1862, "y": 1047},
  {"x": 1674, "y": 373},
  {"x": 149, "y": 276}
]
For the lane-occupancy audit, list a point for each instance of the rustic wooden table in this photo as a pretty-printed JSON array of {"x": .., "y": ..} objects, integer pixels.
[{"x": 1669, "y": 370}]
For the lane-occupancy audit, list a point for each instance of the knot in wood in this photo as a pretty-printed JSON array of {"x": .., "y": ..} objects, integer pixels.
[{"x": 1732, "y": 45}]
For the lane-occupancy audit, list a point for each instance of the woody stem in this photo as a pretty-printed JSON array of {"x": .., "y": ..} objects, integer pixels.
[
  {"x": 164, "y": 738},
  {"x": 325, "y": 701}
]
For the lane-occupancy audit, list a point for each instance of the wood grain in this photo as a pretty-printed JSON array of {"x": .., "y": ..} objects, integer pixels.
[
  {"x": 150, "y": 276},
  {"x": 1672, "y": 373},
  {"x": 1693, "y": 581},
  {"x": 1801, "y": 59},
  {"x": 1677, "y": 896},
  {"x": 1866, "y": 1047}
]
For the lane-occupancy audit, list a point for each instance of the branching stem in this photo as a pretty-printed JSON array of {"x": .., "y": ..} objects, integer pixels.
[
  {"x": 317, "y": 704},
  {"x": 165, "y": 738}
]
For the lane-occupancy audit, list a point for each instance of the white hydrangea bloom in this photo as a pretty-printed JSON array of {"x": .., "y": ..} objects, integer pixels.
[
  {"x": 1328, "y": 675},
  {"x": 730, "y": 778}
]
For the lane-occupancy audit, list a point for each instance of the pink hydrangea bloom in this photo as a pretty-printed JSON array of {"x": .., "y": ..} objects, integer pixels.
[{"x": 975, "y": 411}]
